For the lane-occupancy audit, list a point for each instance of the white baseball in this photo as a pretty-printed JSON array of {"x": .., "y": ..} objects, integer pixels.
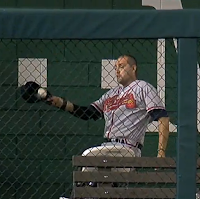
[{"x": 42, "y": 92}]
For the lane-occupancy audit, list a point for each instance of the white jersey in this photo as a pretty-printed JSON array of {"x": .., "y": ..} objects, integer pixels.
[{"x": 125, "y": 110}]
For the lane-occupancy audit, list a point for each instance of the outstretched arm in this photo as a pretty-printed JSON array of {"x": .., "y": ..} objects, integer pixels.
[{"x": 81, "y": 112}]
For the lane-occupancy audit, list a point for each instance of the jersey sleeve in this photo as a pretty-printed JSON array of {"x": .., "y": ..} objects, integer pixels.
[
  {"x": 151, "y": 98},
  {"x": 99, "y": 104}
]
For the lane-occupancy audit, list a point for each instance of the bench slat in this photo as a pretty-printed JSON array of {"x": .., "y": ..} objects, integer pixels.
[
  {"x": 132, "y": 177},
  {"x": 144, "y": 162},
  {"x": 106, "y": 192}
]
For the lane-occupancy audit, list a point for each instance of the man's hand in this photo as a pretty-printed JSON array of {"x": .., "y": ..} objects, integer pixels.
[{"x": 161, "y": 154}]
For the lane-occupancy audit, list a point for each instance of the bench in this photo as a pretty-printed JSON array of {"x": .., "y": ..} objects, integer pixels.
[{"x": 150, "y": 177}]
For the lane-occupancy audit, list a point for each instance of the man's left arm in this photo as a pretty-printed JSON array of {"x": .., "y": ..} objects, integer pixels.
[
  {"x": 163, "y": 119},
  {"x": 157, "y": 111},
  {"x": 163, "y": 129}
]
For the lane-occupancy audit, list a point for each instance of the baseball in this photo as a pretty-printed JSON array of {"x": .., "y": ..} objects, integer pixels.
[{"x": 42, "y": 93}]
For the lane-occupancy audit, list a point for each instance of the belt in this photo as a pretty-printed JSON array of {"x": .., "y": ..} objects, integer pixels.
[{"x": 138, "y": 145}]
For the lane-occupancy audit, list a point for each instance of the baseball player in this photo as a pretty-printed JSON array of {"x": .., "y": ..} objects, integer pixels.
[{"x": 127, "y": 110}]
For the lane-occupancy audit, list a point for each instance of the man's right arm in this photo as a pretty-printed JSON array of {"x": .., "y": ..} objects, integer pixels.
[{"x": 81, "y": 112}]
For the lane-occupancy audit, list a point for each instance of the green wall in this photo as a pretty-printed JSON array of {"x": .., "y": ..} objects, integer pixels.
[{"x": 37, "y": 142}]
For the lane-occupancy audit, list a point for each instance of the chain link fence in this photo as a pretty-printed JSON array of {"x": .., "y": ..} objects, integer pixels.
[{"x": 38, "y": 141}]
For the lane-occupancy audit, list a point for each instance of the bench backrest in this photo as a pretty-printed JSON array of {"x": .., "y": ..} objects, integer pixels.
[{"x": 152, "y": 177}]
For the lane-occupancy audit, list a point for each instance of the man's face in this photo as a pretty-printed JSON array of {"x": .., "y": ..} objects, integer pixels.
[{"x": 124, "y": 72}]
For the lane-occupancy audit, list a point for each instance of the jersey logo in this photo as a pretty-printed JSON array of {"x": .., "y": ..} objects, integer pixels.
[
  {"x": 130, "y": 102},
  {"x": 113, "y": 103}
]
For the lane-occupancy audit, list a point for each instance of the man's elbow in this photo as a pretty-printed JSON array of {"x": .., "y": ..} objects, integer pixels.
[
  {"x": 164, "y": 124},
  {"x": 164, "y": 119}
]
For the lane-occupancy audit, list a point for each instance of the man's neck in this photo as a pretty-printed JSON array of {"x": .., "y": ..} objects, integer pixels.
[{"x": 128, "y": 83}]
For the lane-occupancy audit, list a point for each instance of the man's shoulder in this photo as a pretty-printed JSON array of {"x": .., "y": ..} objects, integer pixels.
[
  {"x": 143, "y": 84},
  {"x": 113, "y": 91}
]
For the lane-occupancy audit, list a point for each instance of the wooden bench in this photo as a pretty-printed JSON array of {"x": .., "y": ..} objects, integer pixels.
[{"x": 151, "y": 177}]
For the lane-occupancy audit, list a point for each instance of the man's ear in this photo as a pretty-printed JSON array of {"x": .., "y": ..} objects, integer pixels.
[{"x": 134, "y": 68}]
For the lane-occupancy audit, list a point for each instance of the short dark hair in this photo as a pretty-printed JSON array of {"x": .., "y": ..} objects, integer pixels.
[{"x": 131, "y": 59}]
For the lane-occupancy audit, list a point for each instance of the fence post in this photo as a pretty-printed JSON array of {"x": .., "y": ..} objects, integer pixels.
[{"x": 187, "y": 119}]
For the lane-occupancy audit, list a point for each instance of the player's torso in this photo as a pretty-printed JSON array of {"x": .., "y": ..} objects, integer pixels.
[{"x": 124, "y": 110}]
